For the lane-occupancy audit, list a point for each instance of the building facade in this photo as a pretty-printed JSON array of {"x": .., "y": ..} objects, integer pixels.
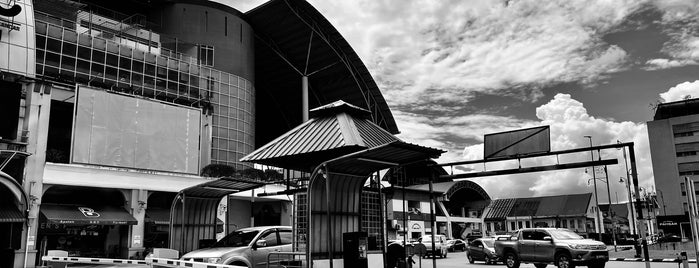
[
  {"x": 109, "y": 109},
  {"x": 673, "y": 135},
  {"x": 574, "y": 212}
]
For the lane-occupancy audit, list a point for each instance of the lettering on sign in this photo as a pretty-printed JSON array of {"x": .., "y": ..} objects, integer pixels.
[
  {"x": 12, "y": 26},
  {"x": 88, "y": 212}
]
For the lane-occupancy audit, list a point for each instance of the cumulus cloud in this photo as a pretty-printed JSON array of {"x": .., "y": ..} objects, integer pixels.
[
  {"x": 658, "y": 64},
  {"x": 681, "y": 91},
  {"x": 569, "y": 122}
]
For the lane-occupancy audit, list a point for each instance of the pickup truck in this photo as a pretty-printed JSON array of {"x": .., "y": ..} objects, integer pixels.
[
  {"x": 440, "y": 246},
  {"x": 543, "y": 246}
]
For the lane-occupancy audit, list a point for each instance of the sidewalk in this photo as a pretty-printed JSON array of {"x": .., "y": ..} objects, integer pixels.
[{"x": 629, "y": 252}]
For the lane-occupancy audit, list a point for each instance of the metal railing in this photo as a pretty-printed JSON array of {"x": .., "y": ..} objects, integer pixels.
[{"x": 280, "y": 259}]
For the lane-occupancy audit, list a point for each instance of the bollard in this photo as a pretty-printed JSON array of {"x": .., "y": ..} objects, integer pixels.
[{"x": 683, "y": 259}]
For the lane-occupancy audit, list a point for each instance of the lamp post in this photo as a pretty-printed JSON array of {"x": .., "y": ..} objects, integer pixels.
[
  {"x": 628, "y": 187},
  {"x": 594, "y": 181}
]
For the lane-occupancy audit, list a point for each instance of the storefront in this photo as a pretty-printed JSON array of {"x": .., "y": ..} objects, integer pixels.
[{"x": 85, "y": 222}]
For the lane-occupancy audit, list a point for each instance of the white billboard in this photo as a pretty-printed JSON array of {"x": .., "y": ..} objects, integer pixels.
[{"x": 123, "y": 131}]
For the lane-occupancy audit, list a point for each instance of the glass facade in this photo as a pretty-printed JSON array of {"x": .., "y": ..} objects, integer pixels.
[{"x": 66, "y": 55}]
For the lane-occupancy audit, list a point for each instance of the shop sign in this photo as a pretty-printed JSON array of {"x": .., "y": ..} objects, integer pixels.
[
  {"x": 88, "y": 212},
  {"x": 12, "y": 11},
  {"x": 10, "y": 25},
  {"x": 667, "y": 223}
]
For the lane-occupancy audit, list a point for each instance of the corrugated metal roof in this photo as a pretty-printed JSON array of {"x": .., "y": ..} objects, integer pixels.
[
  {"x": 498, "y": 209},
  {"x": 221, "y": 187},
  {"x": 10, "y": 214},
  {"x": 525, "y": 207},
  {"x": 340, "y": 129}
]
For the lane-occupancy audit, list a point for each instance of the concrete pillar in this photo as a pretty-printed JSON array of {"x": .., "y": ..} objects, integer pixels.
[
  {"x": 36, "y": 124},
  {"x": 138, "y": 204},
  {"x": 304, "y": 98}
]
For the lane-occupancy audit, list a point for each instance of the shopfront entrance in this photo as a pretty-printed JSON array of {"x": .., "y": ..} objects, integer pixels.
[{"x": 86, "y": 222}]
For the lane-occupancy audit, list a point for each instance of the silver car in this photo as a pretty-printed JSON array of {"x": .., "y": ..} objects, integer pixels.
[{"x": 245, "y": 247}]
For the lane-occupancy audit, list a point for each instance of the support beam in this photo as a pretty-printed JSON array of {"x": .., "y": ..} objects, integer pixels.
[
  {"x": 304, "y": 98},
  {"x": 531, "y": 169}
]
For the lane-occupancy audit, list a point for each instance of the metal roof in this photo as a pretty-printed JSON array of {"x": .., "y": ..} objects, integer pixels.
[
  {"x": 292, "y": 40},
  {"x": 221, "y": 187},
  {"x": 539, "y": 207},
  {"x": 450, "y": 188},
  {"x": 338, "y": 129},
  {"x": 10, "y": 213}
]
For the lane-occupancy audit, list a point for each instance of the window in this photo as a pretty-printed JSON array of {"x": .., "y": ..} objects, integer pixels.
[
  {"x": 528, "y": 224},
  {"x": 285, "y": 236},
  {"x": 205, "y": 55},
  {"x": 270, "y": 238},
  {"x": 513, "y": 227},
  {"x": 528, "y": 235}
]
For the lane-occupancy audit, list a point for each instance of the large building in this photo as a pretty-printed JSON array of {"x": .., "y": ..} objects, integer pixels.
[
  {"x": 674, "y": 145},
  {"x": 110, "y": 108}
]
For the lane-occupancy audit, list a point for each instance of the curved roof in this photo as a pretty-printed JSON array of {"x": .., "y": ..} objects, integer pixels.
[
  {"x": 292, "y": 39},
  {"x": 450, "y": 188}
]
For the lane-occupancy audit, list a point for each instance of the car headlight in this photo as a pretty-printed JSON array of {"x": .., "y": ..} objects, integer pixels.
[
  {"x": 213, "y": 260},
  {"x": 577, "y": 246}
]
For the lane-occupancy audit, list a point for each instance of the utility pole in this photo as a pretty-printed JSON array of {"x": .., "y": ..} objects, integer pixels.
[
  {"x": 594, "y": 182},
  {"x": 609, "y": 209},
  {"x": 628, "y": 187}
]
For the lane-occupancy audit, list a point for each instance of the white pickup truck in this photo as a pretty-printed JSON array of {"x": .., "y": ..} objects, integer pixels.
[{"x": 440, "y": 247}]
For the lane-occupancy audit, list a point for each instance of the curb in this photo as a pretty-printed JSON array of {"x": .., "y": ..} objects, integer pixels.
[{"x": 675, "y": 260}]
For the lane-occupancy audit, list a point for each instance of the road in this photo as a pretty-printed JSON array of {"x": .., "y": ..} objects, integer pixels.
[{"x": 458, "y": 260}]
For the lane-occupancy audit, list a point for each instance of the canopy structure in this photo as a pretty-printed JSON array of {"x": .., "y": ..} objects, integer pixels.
[
  {"x": 306, "y": 45},
  {"x": 336, "y": 129},
  {"x": 84, "y": 215},
  {"x": 194, "y": 209},
  {"x": 341, "y": 147}
]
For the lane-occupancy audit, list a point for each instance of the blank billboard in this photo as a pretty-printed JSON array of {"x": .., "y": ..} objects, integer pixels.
[
  {"x": 511, "y": 144},
  {"x": 123, "y": 131}
]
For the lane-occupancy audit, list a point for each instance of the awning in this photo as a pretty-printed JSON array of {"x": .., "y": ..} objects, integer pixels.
[
  {"x": 10, "y": 213},
  {"x": 158, "y": 215},
  {"x": 80, "y": 215}
]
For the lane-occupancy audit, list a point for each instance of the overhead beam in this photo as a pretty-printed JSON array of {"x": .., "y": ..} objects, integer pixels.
[{"x": 531, "y": 169}]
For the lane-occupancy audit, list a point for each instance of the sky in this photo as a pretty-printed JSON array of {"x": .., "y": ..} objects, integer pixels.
[{"x": 453, "y": 71}]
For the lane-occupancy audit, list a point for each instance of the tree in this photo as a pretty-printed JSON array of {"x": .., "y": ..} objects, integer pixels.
[
  {"x": 217, "y": 170},
  {"x": 252, "y": 173},
  {"x": 273, "y": 175}
]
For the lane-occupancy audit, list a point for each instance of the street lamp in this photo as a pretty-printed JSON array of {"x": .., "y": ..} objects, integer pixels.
[
  {"x": 597, "y": 221},
  {"x": 628, "y": 189},
  {"x": 628, "y": 186}
]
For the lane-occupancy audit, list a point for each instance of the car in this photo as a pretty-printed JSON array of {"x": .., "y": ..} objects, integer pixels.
[
  {"x": 482, "y": 249},
  {"x": 440, "y": 248},
  {"x": 245, "y": 247},
  {"x": 669, "y": 238},
  {"x": 456, "y": 244},
  {"x": 558, "y": 246}
]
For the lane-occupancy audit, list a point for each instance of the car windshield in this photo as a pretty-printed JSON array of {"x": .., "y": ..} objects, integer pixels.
[
  {"x": 564, "y": 234},
  {"x": 489, "y": 243},
  {"x": 236, "y": 239}
]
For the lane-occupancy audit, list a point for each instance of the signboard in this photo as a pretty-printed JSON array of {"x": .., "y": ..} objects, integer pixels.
[
  {"x": 17, "y": 38},
  {"x": 511, "y": 144}
]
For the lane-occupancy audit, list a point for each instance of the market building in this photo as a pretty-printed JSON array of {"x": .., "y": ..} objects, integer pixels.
[
  {"x": 109, "y": 109},
  {"x": 673, "y": 135},
  {"x": 574, "y": 212}
]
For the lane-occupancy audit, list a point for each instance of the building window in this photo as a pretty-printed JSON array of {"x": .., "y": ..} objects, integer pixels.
[
  {"x": 681, "y": 154},
  {"x": 528, "y": 224},
  {"x": 225, "y": 26},
  {"x": 205, "y": 55},
  {"x": 514, "y": 227}
]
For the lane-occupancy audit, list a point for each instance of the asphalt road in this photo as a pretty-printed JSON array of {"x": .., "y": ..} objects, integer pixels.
[{"x": 458, "y": 260}]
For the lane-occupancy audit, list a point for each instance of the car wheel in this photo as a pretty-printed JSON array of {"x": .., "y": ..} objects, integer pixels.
[
  {"x": 511, "y": 260},
  {"x": 563, "y": 261},
  {"x": 470, "y": 259},
  {"x": 540, "y": 265}
]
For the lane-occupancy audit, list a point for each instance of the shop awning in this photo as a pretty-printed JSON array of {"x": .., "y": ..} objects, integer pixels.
[
  {"x": 158, "y": 215},
  {"x": 93, "y": 215},
  {"x": 10, "y": 214}
]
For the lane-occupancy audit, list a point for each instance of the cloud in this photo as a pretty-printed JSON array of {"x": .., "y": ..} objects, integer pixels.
[
  {"x": 680, "y": 20},
  {"x": 658, "y": 64},
  {"x": 569, "y": 122},
  {"x": 680, "y": 91},
  {"x": 424, "y": 51}
]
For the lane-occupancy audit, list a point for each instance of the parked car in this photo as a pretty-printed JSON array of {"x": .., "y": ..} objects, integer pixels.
[
  {"x": 440, "y": 248},
  {"x": 456, "y": 244},
  {"x": 543, "y": 246},
  {"x": 482, "y": 249},
  {"x": 245, "y": 247},
  {"x": 669, "y": 238}
]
